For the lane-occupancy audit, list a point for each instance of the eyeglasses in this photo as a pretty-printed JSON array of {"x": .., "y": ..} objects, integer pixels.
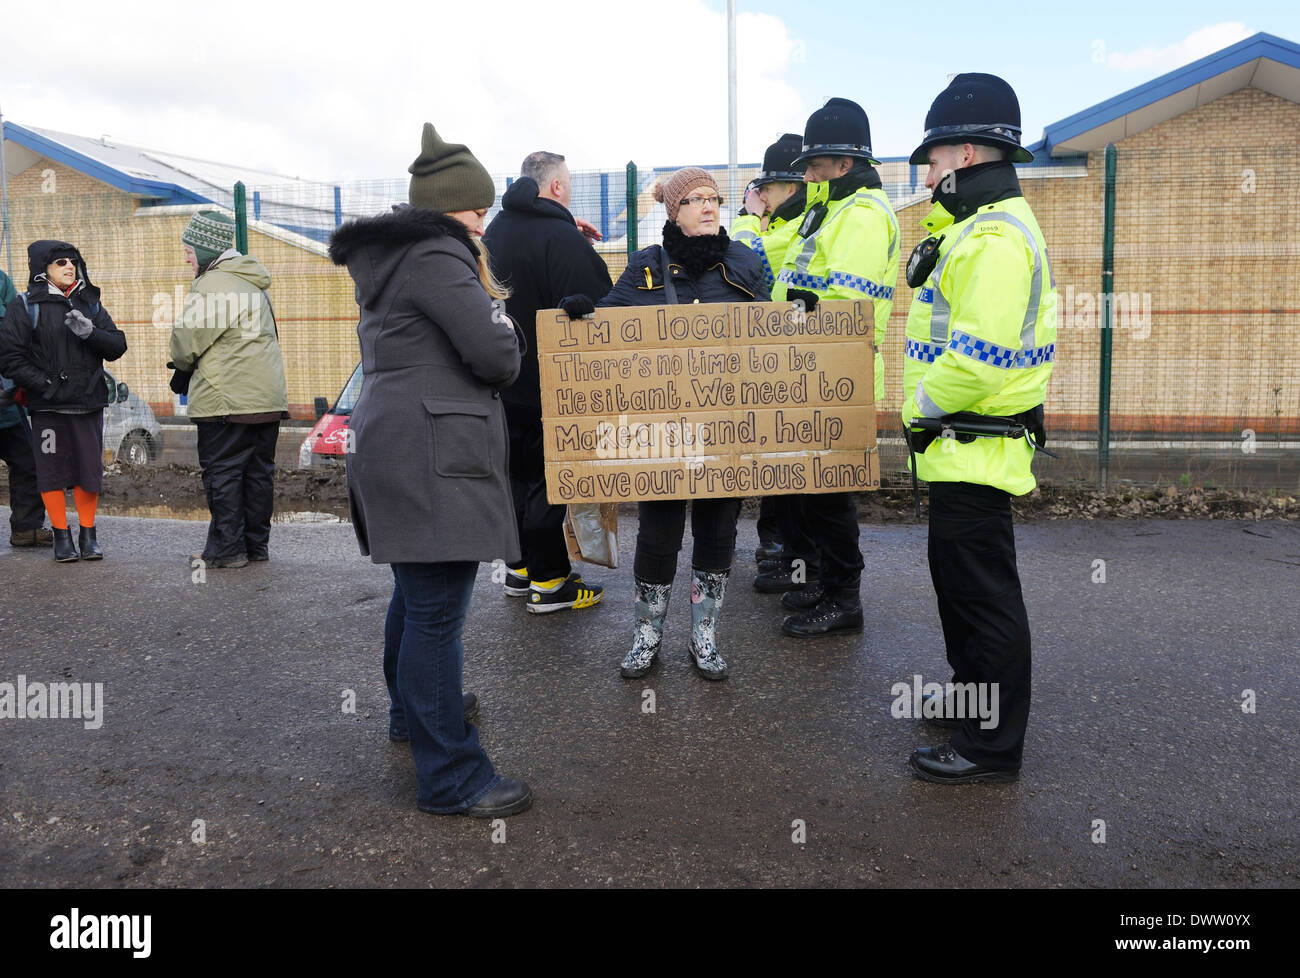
[
  {"x": 61, "y": 262},
  {"x": 700, "y": 201}
]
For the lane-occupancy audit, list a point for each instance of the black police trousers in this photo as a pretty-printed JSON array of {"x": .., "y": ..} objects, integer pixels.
[
  {"x": 769, "y": 526},
  {"x": 541, "y": 525},
  {"x": 238, "y": 462},
  {"x": 797, "y": 541},
  {"x": 830, "y": 521},
  {"x": 972, "y": 553},
  {"x": 26, "y": 511}
]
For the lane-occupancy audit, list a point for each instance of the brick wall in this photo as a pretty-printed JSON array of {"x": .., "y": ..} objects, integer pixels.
[{"x": 135, "y": 256}]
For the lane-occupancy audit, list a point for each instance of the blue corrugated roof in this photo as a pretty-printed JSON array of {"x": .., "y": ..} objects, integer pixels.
[
  {"x": 1243, "y": 52},
  {"x": 158, "y": 191}
]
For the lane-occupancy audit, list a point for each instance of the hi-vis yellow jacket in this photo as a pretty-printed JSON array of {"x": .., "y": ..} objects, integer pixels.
[
  {"x": 853, "y": 254},
  {"x": 769, "y": 244},
  {"x": 981, "y": 337}
]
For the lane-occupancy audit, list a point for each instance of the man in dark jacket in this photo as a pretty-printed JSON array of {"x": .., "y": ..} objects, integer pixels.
[
  {"x": 538, "y": 251},
  {"x": 26, "y": 511}
]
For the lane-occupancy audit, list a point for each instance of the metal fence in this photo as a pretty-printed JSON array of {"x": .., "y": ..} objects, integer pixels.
[{"x": 1178, "y": 323}]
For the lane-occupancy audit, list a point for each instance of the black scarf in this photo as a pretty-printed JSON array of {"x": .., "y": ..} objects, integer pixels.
[
  {"x": 793, "y": 206},
  {"x": 862, "y": 175},
  {"x": 696, "y": 252},
  {"x": 983, "y": 183}
]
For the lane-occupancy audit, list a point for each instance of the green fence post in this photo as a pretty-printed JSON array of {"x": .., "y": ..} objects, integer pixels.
[
  {"x": 241, "y": 218},
  {"x": 631, "y": 208},
  {"x": 1107, "y": 291}
]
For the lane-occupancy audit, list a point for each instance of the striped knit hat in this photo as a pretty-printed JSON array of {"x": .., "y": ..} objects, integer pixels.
[{"x": 209, "y": 233}]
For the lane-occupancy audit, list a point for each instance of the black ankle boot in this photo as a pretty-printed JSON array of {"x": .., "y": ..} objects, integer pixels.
[
  {"x": 87, "y": 544},
  {"x": 64, "y": 551}
]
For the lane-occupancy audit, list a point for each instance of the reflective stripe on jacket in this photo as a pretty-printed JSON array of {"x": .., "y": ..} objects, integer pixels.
[
  {"x": 853, "y": 254},
  {"x": 981, "y": 337},
  {"x": 769, "y": 244}
]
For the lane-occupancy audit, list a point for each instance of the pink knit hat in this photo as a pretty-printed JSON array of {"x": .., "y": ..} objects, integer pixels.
[{"x": 671, "y": 191}]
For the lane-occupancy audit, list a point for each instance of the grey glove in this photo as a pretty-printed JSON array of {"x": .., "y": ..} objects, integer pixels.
[{"x": 79, "y": 324}]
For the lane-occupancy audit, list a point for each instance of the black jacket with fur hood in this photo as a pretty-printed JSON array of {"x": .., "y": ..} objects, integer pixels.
[{"x": 427, "y": 475}]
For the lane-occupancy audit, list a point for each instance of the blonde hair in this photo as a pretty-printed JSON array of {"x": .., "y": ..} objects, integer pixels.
[{"x": 491, "y": 284}]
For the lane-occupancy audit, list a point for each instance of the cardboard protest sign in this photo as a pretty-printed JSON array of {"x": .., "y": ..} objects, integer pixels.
[{"x": 693, "y": 401}]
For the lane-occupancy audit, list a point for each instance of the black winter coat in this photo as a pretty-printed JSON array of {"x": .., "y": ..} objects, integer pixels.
[
  {"x": 538, "y": 252},
  {"x": 57, "y": 370},
  {"x": 708, "y": 268}
]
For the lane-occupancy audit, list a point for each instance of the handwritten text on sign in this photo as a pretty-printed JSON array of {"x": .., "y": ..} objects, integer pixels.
[{"x": 680, "y": 402}]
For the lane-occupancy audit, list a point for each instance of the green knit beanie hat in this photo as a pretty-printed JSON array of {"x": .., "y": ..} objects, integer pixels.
[
  {"x": 446, "y": 177},
  {"x": 209, "y": 233}
]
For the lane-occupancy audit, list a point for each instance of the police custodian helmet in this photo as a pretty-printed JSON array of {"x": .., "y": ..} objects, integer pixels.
[
  {"x": 974, "y": 108},
  {"x": 838, "y": 128},
  {"x": 777, "y": 161}
]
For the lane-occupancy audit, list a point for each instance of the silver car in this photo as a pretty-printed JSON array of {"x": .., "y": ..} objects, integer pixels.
[{"x": 131, "y": 432}]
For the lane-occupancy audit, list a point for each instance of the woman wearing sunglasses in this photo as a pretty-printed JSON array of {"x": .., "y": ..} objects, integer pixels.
[
  {"x": 697, "y": 263},
  {"x": 53, "y": 344}
]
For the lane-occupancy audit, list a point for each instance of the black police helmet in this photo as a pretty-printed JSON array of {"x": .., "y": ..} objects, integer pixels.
[
  {"x": 974, "y": 108},
  {"x": 777, "y": 161},
  {"x": 838, "y": 128}
]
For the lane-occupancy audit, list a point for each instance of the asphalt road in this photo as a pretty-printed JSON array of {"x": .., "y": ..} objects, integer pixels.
[{"x": 223, "y": 720}]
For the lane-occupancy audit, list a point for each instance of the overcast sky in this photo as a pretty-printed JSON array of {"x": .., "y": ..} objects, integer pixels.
[{"x": 341, "y": 92}]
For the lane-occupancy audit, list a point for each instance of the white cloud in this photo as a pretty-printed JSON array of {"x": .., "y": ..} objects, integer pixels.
[
  {"x": 1196, "y": 45},
  {"x": 344, "y": 95}
]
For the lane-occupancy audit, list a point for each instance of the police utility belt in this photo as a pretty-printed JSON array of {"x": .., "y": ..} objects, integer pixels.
[{"x": 965, "y": 426}]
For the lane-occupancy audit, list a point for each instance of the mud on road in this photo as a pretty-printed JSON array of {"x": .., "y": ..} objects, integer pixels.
[{"x": 141, "y": 490}]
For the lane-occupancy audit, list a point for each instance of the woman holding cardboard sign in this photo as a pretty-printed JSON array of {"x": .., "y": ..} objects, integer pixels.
[{"x": 697, "y": 263}]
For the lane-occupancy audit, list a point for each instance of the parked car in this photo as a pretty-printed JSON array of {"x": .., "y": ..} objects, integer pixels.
[
  {"x": 131, "y": 432},
  {"x": 327, "y": 442}
]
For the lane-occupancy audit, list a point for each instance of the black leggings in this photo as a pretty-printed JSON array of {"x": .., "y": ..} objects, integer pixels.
[{"x": 659, "y": 536}]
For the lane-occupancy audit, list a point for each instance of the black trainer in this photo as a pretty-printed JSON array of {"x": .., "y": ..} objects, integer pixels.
[
  {"x": 568, "y": 594},
  {"x": 517, "y": 582},
  {"x": 828, "y": 617}
]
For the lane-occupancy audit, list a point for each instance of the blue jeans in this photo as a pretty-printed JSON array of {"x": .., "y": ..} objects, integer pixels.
[{"x": 423, "y": 659}]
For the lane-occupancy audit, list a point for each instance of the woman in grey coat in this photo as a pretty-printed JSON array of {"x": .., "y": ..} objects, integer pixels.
[{"x": 427, "y": 481}]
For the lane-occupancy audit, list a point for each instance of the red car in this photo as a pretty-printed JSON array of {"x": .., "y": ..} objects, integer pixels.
[{"x": 330, "y": 440}]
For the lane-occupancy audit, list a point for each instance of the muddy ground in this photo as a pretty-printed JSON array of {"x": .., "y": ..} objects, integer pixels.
[{"x": 140, "y": 490}]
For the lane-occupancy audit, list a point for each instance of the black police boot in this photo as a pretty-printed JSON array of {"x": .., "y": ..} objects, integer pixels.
[
  {"x": 64, "y": 550},
  {"x": 807, "y": 599},
  {"x": 87, "y": 544},
  {"x": 829, "y": 616},
  {"x": 779, "y": 578}
]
